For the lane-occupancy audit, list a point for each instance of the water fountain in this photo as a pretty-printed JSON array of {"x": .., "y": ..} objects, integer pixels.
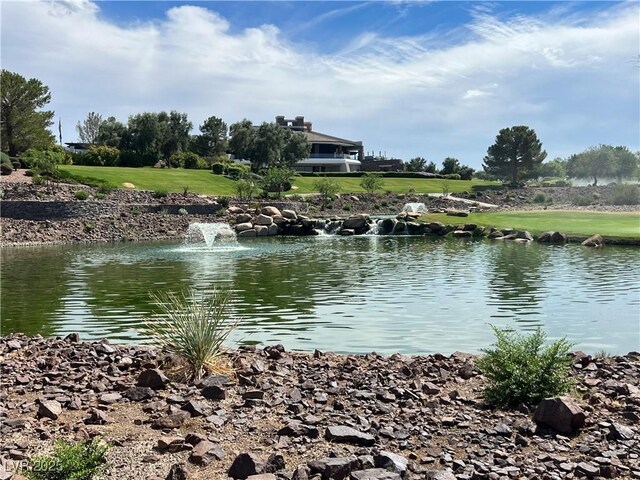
[
  {"x": 414, "y": 208},
  {"x": 210, "y": 234}
]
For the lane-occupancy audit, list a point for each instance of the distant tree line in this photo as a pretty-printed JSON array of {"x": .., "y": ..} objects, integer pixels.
[{"x": 450, "y": 166}]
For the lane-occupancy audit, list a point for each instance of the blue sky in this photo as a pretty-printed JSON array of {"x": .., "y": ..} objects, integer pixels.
[{"x": 431, "y": 79}]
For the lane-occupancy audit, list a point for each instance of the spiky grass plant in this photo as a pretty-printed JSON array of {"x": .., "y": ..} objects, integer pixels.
[
  {"x": 520, "y": 369},
  {"x": 70, "y": 461},
  {"x": 193, "y": 327}
]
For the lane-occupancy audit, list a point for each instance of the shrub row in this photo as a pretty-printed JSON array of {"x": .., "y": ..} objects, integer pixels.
[{"x": 451, "y": 176}]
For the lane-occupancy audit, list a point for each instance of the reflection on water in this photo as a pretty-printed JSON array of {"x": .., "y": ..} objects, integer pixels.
[{"x": 388, "y": 294}]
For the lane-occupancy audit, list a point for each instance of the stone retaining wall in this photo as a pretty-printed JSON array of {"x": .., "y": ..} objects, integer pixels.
[{"x": 40, "y": 211}]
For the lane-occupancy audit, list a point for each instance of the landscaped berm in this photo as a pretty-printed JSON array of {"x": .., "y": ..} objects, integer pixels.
[{"x": 277, "y": 414}]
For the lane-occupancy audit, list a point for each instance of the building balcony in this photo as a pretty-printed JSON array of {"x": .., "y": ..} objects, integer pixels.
[{"x": 343, "y": 156}]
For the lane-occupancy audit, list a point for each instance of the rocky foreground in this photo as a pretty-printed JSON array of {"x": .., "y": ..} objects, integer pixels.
[{"x": 311, "y": 416}]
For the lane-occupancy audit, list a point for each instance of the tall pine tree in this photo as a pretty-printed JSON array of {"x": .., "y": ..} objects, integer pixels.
[{"x": 516, "y": 154}]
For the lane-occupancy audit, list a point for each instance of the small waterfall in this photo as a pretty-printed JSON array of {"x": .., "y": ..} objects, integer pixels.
[
  {"x": 374, "y": 228},
  {"x": 210, "y": 234},
  {"x": 414, "y": 208}
]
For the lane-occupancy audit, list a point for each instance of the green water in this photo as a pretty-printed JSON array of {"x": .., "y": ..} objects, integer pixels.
[{"x": 356, "y": 294}]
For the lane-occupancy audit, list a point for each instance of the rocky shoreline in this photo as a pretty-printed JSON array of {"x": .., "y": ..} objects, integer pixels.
[
  {"x": 286, "y": 415},
  {"x": 51, "y": 214}
]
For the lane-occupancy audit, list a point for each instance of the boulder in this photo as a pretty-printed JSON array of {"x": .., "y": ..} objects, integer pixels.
[
  {"x": 273, "y": 230},
  {"x": 178, "y": 471},
  {"x": 346, "y": 232},
  {"x": 270, "y": 211},
  {"x": 243, "y": 218},
  {"x": 400, "y": 228},
  {"x": 344, "y": 434},
  {"x": 469, "y": 227},
  {"x": 335, "y": 468},
  {"x": 137, "y": 394},
  {"x": 435, "y": 227},
  {"x": 109, "y": 398},
  {"x": 355, "y": 222},
  {"x": 290, "y": 214},
  {"x": 391, "y": 461},
  {"x": 245, "y": 465},
  {"x": 247, "y": 233},
  {"x": 375, "y": 474},
  {"x": 524, "y": 235},
  {"x": 235, "y": 210},
  {"x": 241, "y": 227},
  {"x": 561, "y": 414},
  {"x": 261, "y": 230},
  {"x": 171, "y": 444},
  {"x": 495, "y": 234},
  {"x": 462, "y": 234},
  {"x": 386, "y": 226},
  {"x": 205, "y": 452},
  {"x": 152, "y": 378},
  {"x": 49, "y": 409},
  {"x": 457, "y": 213},
  {"x": 552, "y": 237},
  {"x": 414, "y": 228},
  {"x": 213, "y": 387},
  {"x": 264, "y": 220},
  {"x": 593, "y": 241}
]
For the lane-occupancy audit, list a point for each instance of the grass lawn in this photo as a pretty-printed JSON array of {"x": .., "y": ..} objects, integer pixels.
[
  {"x": 576, "y": 223},
  {"x": 171, "y": 180},
  {"x": 204, "y": 182}
]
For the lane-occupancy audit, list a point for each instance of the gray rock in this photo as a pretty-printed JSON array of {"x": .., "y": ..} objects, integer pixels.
[
  {"x": 241, "y": 227},
  {"x": 344, "y": 434},
  {"x": 152, "y": 378},
  {"x": 618, "y": 431},
  {"x": 561, "y": 414},
  {"x": 175, "y": 420},
  {"x": 263, "y": 220},
  {"x": 262, "y": 476},
  {"x": 375, "y": 474},
  {"x": 261, "y": 230},
  {"x": 195, "y": 408},
  {"x": 270, "y": 211},
  {"x": 137, "y": 394},
  {"x": 205, "y": 452},
  {"x": 334, "y": 468},
  {"x": 355, "y": 222},
  {"x": 245, "y": 465},
  {"x": 273, "y": 230},
  {"x": 440, "y": 475},
  {"x": 593, "y": 241},
  {"x": 290, "y": 214},
  {"x": 97, "y": 417},
  {"x": 172, "y": 444},
  {"x": 247, "y": 233},
  {"x": 109, "y": 398},
  {"x": 178, "y": 471},
  {"x": 390, "y": 461},
  {"x": 49, "y": 409}
]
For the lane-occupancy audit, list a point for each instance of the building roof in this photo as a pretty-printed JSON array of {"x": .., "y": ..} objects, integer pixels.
[{"x": 317, "y": 137}]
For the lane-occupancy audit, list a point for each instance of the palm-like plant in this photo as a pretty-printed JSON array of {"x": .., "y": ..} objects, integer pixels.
[{"x": 193, "y": 327}]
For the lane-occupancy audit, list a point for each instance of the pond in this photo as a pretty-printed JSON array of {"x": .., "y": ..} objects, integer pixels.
[{"x": 345, "y": 294}]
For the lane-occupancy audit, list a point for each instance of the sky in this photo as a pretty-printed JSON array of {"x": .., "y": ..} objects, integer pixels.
[{"x": 424, "y": 78}]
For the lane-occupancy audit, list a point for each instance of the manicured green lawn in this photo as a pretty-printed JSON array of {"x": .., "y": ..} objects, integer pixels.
[
  {"x": 204, "y": 182},
  {"x": 578, "y": 223},
  {"x": 171, "y": 180},
  {"x": 395, "y": 185}
]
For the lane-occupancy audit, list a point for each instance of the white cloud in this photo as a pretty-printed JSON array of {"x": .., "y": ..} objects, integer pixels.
[{"x": 570, "y": 77}]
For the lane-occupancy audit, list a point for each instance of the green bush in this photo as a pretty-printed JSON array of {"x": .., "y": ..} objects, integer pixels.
[
  {"x": 70, "y": 461},
  {"x": 583, "y": 200},
  {"x": 187, "y": 160},
  {"x": 562, "y": 183},
  {"x": 246, "y": 189},
  {"x": 224, "y": 201},
  {"x": 540, "y": 198},
  {"x": 346, "y": 208},
  {"x": 33, "y": 158},
  {"x": 160, "y": 193},
  {"x": 625, "y": 195},
  {"x": 236, "y": 171},
  {"x": 6, "y": 168},
  {"x": 452, "y": 176},
  {"x": 277, "y": 180},
  {"x": 327, "y": 188},
  {"x": 521, "y": 370},
  {"x": 217, "y": 169},
  {"x": 4, "y": 158},
  {"x": 38, "y": 180},
  {"x": 371, "y": 182},
  {"x": 193, "y": 327},
  {"x": 81, "y": 195},
  {"x": 100, "y": 156}
]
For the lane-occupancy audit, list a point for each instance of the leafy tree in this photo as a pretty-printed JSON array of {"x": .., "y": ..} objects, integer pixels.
[
  {"x": 417, "y": 164},
  {"x": 89, "y": 129},
  {"x": 23, "y": 126},
  {"x": 243, "y": 138},
  {"x": 110, "y": 132},
  {"x": 371, "y": 182},
  {"x": 516, "y": 154},
  {"x": 187, "y": 160},
  {"x": 627, "y": 163},
  {"x": 450, "y": 166},
  {"x": 278, "y": 180},
  {"x": 554, "y": 168},
  {"x": 174, "y": 128},
  {"x": 431, "y": 167},
  {"x": 142, "y": 141},
  {"x": 213, "y": 139},
  {"x": 594, "y": 162},
  {"x": 466, "y": 172},
  {"x": 268, "y": 145},
  {"x": 327, "y": 188},
  {"x": 296, "y": 147}
]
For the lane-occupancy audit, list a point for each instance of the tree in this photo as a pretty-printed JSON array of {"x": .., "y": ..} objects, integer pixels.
[
  {"x": 110, "y": 133},
  {"x": 466, "y": 172},
  {"x": 243, "y": 137},
  {"x": 417, "y": 164},
  {"x": 327, "y": 188},
  {"x": 431, "y": 167},
  {"x": 555, "y": 168},
  {"x": 101, "y": 155},
  {"x": 278, "y": 180},
  {"x": 627, "y": 163},
  {"x": 89, "y": 129},
  {"x": 174, "y": 129},
  {"x": 594, "y": 162},
  {"x": 142, "y": 140},
  {"x": 213, "y": 139},
  {"x": 371, "y": 182},
  {"x": 296, "y": 147},
  {"x": 23, "y": 126},
  {"x": 516, "y": 154},
  {"x": 450, "y": 166}
]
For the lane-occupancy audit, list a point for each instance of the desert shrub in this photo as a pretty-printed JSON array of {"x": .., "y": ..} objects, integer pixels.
[
  {"x": 625, "y": 195},
  {"x": 4, "y": 158},
  {"x": 540, "y": 197},
  {"x": 217, "y": 169},
  {"x": 277, "y": 180},
  {"x": 246, "y": 189},
  {"x": 327, "y": 188},
  {"x": 185, "y": 190},
  {"x": 38, "y": 180},
  {"x": 100, "y": 156},
  {"x": 346, "y": 208},
  {"x": 224, "y": 201},
  {"x": 81, "y": 195},
  {"x": 596, "y": 195},
  {"x": 371, "y": 182},
  {"x": 70, "y": 461},
  {"x": 89, "y": 227},
  {"x": 520, "y": 369},
  {"x": 161, "y": 193},
  {"x": 193, "y": 327},
  {"x": 583, "y": 200},
  {"x": 6, "y": 168},
  {"x": 384, "y": 203},
  {"x": 105, "y": 188},
  {"x": 452, "y": 176},
  {"x": 182, "y": 211}
]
